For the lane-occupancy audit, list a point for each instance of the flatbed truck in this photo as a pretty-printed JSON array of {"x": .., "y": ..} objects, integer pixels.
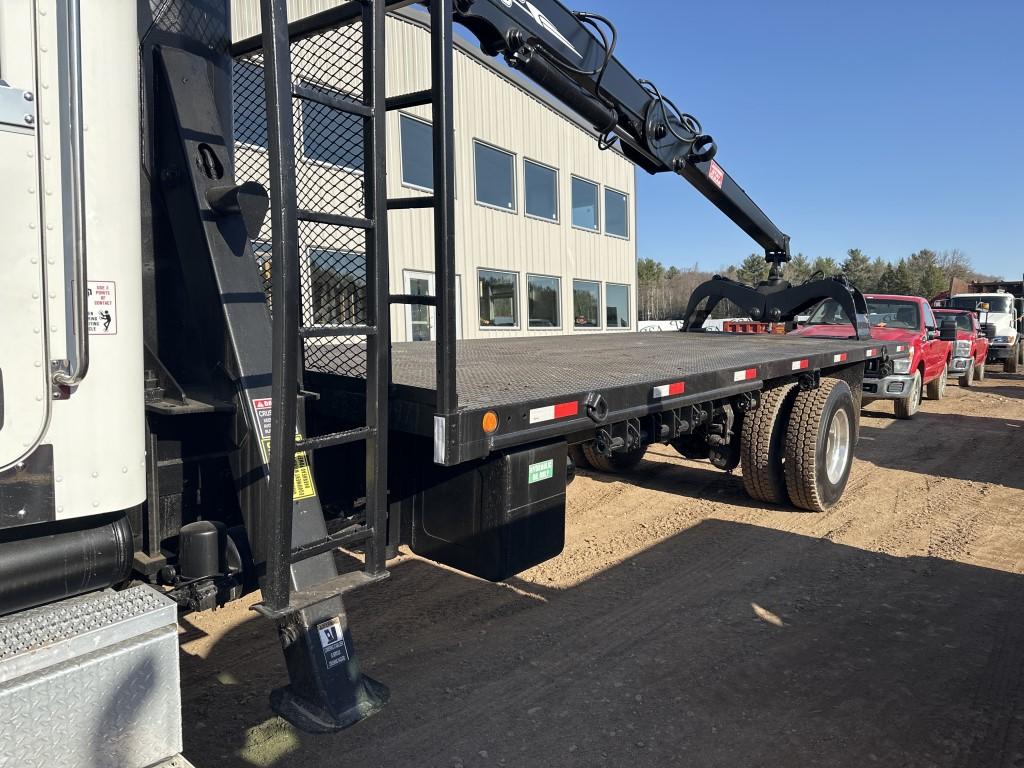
[{"x": 172, "y": 433}]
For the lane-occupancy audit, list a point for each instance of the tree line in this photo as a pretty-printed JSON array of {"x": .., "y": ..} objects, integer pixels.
[{"x": 662, "y": 293}]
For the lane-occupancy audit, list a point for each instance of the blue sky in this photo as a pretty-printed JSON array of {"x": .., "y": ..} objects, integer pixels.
[{"x": 888, "y": 126}]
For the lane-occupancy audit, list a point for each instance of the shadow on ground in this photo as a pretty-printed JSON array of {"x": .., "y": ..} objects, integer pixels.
[{"x": 726, "y": 645}]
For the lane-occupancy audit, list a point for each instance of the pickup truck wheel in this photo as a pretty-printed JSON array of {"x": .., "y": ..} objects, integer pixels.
[
  {"x": 614, "y": 464},
  {"x": 819, "y": 445},
  {"x": 762, "y": 446},
  {"x": 979, "y": 372},
  {"x": 1010, "y": 366},
  {"x": 968, "y": 376},
  {"x": 908, "y": 406},
  {"x": 937, "y": 387}
]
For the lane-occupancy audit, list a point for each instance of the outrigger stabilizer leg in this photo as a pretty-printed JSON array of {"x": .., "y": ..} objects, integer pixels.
[{"x": 776, "y": 300}]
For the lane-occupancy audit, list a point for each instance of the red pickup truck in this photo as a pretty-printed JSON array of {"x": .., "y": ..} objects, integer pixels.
[
  {"x": 907, "y": 319},
  {"x": 970, "y": 350}
]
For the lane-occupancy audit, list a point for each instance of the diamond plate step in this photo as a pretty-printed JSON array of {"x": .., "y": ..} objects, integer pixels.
[{"x": 92, "y": 681}]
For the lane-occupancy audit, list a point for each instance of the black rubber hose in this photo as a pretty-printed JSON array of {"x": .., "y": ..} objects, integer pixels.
[{"x": 41, "y": 564}]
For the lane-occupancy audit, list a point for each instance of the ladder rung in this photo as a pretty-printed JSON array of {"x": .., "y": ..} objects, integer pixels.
[
  {"x": 329, "y": 331},
  {"x": 353, "y": 535},
  {"x": 308, "y": 93},
  {"x": 317, "y": 217},
  {"x": 407, "y": 100},
  {"x": 406, "y": 203},
  {"x": 408, "y": 298},
  {"x": 334, "y": 438}
]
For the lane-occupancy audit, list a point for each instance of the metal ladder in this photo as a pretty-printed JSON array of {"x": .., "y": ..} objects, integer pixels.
[{"x": 301, "y": 586}]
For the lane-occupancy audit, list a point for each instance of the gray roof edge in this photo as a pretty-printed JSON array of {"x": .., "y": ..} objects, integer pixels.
[{"x": 422, "y": 19}]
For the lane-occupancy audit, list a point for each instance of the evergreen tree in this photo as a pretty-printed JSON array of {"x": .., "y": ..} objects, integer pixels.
[
  {"x": 857, "y": 268},
  {"x": 753, "y": 270}
]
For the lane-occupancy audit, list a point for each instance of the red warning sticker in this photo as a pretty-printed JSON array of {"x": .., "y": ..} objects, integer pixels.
[{"x": 716, "y": 174}]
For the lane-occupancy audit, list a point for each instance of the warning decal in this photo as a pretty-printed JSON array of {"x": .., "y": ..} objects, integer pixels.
[
  {"x": 302, "y": 478},
  {"x": 102, "y": 308},
  {"x": 716, "y": 174},
  {"x": 332, "y": 640}
]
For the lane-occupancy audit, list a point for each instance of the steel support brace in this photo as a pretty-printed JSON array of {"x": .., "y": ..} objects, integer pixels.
[{"x": 441, "y": 67}]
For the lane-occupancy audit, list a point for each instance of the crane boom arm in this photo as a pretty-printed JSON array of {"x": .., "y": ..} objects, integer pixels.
[{"x": 570, "y": 55}]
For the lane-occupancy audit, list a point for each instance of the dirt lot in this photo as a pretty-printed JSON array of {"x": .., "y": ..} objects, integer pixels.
[{"x": 685, "y": 625}]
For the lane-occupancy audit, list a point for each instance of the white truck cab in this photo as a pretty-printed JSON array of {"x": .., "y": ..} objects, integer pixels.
[{"x": 1002, "y": 315}]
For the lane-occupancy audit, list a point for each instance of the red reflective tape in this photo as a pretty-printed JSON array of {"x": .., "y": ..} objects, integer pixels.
[
  {"x": 840, "y": 358},
  {"x": 566, "y": 409},
  {"x": 745, "y": 375},
  {"x": 800, "y": 365},
  {"x": 668, "y": 390}
]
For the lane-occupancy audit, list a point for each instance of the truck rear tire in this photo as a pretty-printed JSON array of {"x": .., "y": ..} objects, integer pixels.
[
  {"x": 762, "y": 446},
  {"x": 937, "y": 387},
  {"x": 979, "y": 372},
  {"x": 908, "y": 406},
  {"x": 967, "y": 379},
  {"x": 614, "y": 464},
  {"x": 819, "y": 444},
  {"x": 1010, "y": 366},
  {"x": 578, "y": 457}
]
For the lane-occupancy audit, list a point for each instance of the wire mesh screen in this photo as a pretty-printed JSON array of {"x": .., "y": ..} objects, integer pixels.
[{"x": 327, "y": 71}]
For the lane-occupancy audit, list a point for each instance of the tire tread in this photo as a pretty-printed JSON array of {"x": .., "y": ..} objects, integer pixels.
[{"x": 801, "y": 447}]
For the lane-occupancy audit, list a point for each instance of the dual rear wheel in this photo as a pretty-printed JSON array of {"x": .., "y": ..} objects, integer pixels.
[{"x": 798, "y": 445}]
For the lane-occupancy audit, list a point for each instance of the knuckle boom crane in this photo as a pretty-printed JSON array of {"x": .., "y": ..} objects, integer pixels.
[{"x": 571, "y": 55}]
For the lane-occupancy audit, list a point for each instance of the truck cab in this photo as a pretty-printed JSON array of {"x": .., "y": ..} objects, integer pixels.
[
  {"x": 910, "y": 323},
  {"x": 970, "y": 350},
  {"x": 999, "y": 311}
]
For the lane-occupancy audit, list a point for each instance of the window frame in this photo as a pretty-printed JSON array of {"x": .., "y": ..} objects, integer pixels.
[
  {"x": 514, "y": 210},
  {"x": 542, "y": 329},
  {"x": 597, "y": 205},
  {"x": 558, "y": 203},
  {"x": 516, "y": 301},
  {"x": 629, "y": 302},
  {"x": 301, "y": 129},
  {"x": 307, "y": 262},
  {"x": 600, "y": 306},
  {"x": 401, "y": 158},
  {"x": 629, "y": 229}
]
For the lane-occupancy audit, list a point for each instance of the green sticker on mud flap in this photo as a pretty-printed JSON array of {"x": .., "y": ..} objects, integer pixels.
[{"x": 543, "y": 470}]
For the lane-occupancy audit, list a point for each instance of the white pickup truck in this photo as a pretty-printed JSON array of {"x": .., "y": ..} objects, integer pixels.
[{"x": 1005, "y": 347}]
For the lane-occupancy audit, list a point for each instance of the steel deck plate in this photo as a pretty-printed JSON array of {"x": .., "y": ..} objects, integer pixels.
[{"x": 505, "y": 371}]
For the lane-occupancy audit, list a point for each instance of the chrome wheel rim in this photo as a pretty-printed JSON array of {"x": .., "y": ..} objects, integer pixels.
[
  {"x": 915, "y": 395},
  {"x": 837, "y": 446},
  {"x": 942, "y": 381}
]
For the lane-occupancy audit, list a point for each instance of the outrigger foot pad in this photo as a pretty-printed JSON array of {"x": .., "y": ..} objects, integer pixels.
[
  {"x": 370, "y": 697},
  {"x": 327, "y": 690}
]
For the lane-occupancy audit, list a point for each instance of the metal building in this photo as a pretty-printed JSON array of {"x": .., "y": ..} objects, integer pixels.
[{"x": 545, "y": 220}]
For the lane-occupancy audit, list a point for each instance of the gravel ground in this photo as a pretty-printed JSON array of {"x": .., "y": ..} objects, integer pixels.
[{"x": 686, "y": 625}]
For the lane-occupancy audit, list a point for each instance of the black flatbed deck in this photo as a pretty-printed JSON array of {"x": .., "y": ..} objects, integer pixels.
[{"x": 538, "y": 386}]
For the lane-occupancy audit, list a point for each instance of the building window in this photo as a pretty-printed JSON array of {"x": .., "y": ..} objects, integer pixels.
[
  {"x": 417, "y": 138},
  {"x": 330, "y": 135},
  {"x": 586, "y": 304},
  {"x": 495, "y": 177},
  {"x": 336, "y": 293},
  {"x": 544, "y": 299},
  {"x": 584, "y": 204},
  {"x": 616, "y": 213},
  {"x": 616, "y": 299},
  {"x": 499, "y": 299},
  {"x": 540, "y": 188},
  {"x": 250, "y": 115}
]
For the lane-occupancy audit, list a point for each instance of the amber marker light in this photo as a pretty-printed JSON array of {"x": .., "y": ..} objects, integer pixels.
[{"x": 489, "y": 422}]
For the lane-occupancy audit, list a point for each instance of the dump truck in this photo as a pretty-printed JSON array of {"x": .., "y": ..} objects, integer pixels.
[{"x": 176, "y": 433}]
